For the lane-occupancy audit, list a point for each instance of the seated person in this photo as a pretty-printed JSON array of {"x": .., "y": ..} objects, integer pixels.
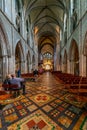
[
  {"x": 7, "y": 80},
  {"x": 35, "y": 72},
  {"x": 18, "y": 81}
]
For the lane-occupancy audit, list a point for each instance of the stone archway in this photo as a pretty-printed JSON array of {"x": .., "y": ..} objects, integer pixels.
[
  {"x": 19, "y": 57},
  {"x": 74, "y": 58},
  {"x": 65, "y": 62},
  {"x": 5, "y": 53}
]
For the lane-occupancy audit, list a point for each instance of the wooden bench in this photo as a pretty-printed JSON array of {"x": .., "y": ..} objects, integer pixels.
[
  {"x": 28, "y": 77},
  {"x": 11, "y": 88}
]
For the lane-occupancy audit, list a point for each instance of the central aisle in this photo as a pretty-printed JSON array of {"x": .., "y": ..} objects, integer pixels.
[{"x": 46, "y": 106}]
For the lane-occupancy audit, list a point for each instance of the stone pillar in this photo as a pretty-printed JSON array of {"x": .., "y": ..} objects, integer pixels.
[
  {"x": 72, "y": 67},
  {"x": 36, "y": 59},
  {"x": 11, "y": 65},
  {"x": 68, "y": 66},
  {"x": 82, "y": 65},
  {"x": 63, "y": 67},
  {"x": 30, "y": 68},
  {"x": 5, "y": 66},
  {"x": 23, "y": 67}
]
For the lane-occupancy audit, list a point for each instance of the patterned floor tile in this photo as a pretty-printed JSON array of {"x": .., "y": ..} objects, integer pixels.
[
  {"x": 5, "y": 96},
  {"x": 82, "y": 122},
  {"x": 0, "y": 123},
  {"x": 70, "y": 114},
  {"x": 8, "y": 111},
  {"x": 54, "y": 113},
  {"x": 70, "y": 98},
  {"x": 37, "y": 120},
  {"x": 65, "y": 121},
  {"x": 60, "y": 109},
  {"x": 9, "y": 106},
  {"x": 65, "y": 105},
  {"x": 27, "y": 103},
  {"x": 58, "y": 101},
  {"x": 47, "y": 108},
  {"x": 22, "y": 112},
  {"x": 19, "y": 107},
  {"x": 41, "y": 99},
  {"x": 24, "y": 100},
  {"x": 17, "y": 103},
  {"x": 75, "y": 109},
  {"x": 53, "y": 104},
  {"x": 29, "y": 94},
  {"x": 32, "y": 108},
  {"x": 11, "y": 100},
  {"x": 11, "y": 118},
  {"x": 43, "y": 88}
]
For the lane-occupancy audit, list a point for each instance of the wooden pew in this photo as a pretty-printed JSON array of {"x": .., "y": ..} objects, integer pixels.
[{"x": 11, "y": 88}]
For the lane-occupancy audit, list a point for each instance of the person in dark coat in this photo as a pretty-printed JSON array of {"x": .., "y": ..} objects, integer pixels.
[
  {"x": 7, "y": 80},
  {"x": 18, "y": 81},
  {"x": 35, "y": 72},
  {"x": 18, "y": 73}
]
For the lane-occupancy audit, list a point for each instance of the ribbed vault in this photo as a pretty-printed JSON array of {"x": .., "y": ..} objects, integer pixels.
[{"x": 46, "y": 18}]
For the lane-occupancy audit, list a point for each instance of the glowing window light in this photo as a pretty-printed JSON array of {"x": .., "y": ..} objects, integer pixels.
[{"x": 47, "y": 67}]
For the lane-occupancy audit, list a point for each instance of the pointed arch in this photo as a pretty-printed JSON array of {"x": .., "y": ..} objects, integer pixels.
[
  {"x": 74, "y": 57},
  {"x": 5, "y": 46},
  {"x": 19, "y": 56},
  {"x": 5, "y": 52}
]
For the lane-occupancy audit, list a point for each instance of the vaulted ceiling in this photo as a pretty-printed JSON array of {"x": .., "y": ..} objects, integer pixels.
[{"x": 46, "y": 18}]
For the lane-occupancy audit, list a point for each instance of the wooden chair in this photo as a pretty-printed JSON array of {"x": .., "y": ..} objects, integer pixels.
[
  {"x": 15, "y": 88},
  {"x": 11, "y": 88},
  {"x": 6, "y": 87}
]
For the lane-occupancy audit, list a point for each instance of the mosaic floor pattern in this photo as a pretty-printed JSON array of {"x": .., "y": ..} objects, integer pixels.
[
  {"x": 36, "y": 121},
  {"x": 41, "y": 99},
  {"x": 46, "y": 106}
]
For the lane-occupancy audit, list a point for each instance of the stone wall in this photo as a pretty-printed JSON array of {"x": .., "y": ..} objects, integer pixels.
[{"x": 78, "y": 35}]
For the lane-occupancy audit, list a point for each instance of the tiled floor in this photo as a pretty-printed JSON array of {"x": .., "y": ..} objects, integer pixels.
[{"x": 46, "y": 106}]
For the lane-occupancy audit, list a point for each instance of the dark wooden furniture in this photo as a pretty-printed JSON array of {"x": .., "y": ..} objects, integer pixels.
[{"x": 11, "y": 88}]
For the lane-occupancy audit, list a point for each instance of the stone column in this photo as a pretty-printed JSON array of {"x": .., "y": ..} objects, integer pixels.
[
  {"x": 82, "y": 67},
  {"x": 72, "y": 67},
  {"x": 11, "y": 65},
  {"x": 68, "y": 66},
  {"x": 30, "y": 68},
  {"x": 63, "y": 67},
  {"x": 5, "y": 66},
  {"x": 23, "y": 67}
]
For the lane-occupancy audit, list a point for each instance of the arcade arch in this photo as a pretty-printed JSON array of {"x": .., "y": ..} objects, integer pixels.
[
  {"x": 5, "y": 53},
  {"x": 19, "y": 57},
  {"x": 74, "y": 58}
]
